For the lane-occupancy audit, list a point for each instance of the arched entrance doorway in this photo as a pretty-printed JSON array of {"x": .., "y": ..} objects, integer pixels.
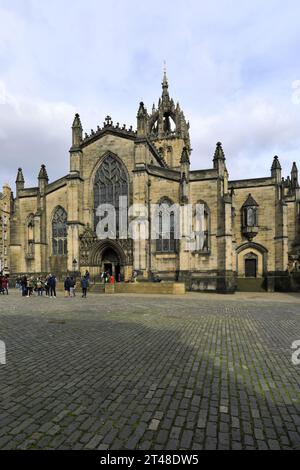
[
  {"x": 111, "y": 263},
  {"x": 108, "y": 255}
]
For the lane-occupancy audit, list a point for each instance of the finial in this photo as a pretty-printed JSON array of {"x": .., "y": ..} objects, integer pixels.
[
  {"x": 77, "y": 121},
  {"x": 276, "y": 163},
  {"x": 20, "y": 177},
  {"x": 43, "y": 173},
  {"x": 108, "y": 121},
  {"x": 294, "y": 168},
  {"x": 219, "y": 153},
  {"x": 165, "y": 79}
]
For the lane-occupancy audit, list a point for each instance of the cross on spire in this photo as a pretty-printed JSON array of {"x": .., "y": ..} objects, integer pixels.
[{"x": 108, "y": 121}]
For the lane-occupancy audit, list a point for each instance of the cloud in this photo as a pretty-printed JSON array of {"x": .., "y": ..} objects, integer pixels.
[
  {"x": 252, "y": 131},
  {"x": 33, "y": 132},
  {"x": 230, "y": 64}
]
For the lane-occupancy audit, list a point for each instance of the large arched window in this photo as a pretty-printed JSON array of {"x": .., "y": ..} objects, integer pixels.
[
  {"x": 166, "y": 240},
  {"x": 60, "y": 232},
  {"x": 111, "y": 182}
]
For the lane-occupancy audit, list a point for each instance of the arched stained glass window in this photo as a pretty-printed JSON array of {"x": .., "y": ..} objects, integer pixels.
[
  {"x": 110, "y": 183},
  {"x": 60, "y": 232}
]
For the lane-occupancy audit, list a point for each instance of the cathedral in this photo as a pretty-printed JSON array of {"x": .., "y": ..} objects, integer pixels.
[{"x": 251, "y": 227}]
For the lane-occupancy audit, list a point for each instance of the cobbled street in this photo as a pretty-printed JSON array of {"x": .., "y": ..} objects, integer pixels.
[{"x": 123, "y": 372}]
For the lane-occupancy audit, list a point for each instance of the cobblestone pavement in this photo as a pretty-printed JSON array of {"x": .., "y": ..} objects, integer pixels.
[{"x": 137, "y": 372}]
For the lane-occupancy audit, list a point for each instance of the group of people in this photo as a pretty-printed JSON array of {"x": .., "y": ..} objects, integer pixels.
[
  {"x": 70, "y": 285},
  {"x": 107, "y": 277},
  {"x": 37, "y": 286},
  {"x": 4, "y": 284},
  {"x": 46, "y": 285}
]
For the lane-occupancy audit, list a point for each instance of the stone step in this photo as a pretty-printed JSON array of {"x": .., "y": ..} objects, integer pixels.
[{"x": 250, "y": 284}]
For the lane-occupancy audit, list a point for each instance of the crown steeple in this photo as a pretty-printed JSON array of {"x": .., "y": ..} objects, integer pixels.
[{"x": 166, "y": 127}]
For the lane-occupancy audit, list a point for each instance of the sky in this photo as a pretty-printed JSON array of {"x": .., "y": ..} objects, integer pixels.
[{"x": 232, "y": 64}]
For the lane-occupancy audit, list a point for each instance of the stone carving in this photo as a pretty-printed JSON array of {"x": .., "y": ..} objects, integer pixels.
[{"x": 87, "y": 240}]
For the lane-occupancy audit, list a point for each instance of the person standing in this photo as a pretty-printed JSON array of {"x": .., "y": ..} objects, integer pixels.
[
  {"x": 47, "y": 286},
  {"x": 24, "y": 286},
  {"x": 29, "y": 286},
  {"x": 52, "y": 284},
  {"x": 84, "y": 286},
  {"x": 39, "y": 287}
]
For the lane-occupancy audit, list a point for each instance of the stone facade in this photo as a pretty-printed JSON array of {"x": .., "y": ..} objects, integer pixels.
[
  {"x": 252, "y": 226},
  {"x": 6, "y": 204}
]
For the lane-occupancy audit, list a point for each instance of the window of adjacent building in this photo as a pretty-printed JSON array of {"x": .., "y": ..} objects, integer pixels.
[{"x": 59, "y": 232}]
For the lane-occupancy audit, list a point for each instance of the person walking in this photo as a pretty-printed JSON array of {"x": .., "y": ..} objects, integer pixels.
[
  {"x": 84, "y": 286},
  {"x": 72, "y": 287},
  {"x": 67, "y": 286},
  {"x": 5, "y": 284}
]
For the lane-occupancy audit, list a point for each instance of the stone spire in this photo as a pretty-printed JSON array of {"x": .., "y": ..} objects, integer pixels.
[
  {"x": 76, "y": 131},
  {"x": 20, "y": 182},
  {"x": 165, "y": 88},
  {"x": 43, "y": 179},
  {"x": 20, "y": 177},
  {"x": 294, "y": 176},
  {"x": 142, "y": 121},
  {"x": 276, "y": 169},
  {"x": 219, "y": 157},
  {"x": 43, "y": 174}
]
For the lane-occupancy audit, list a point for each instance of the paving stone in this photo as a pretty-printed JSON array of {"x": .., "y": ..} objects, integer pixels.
[{"x": 150, "y": 372}]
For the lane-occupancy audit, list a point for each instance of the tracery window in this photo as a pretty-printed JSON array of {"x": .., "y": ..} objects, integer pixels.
[
  {"x": 166, "y": 242},
  {"x": 60, "y": 232},
  {"x": 111, "y": 182}
]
